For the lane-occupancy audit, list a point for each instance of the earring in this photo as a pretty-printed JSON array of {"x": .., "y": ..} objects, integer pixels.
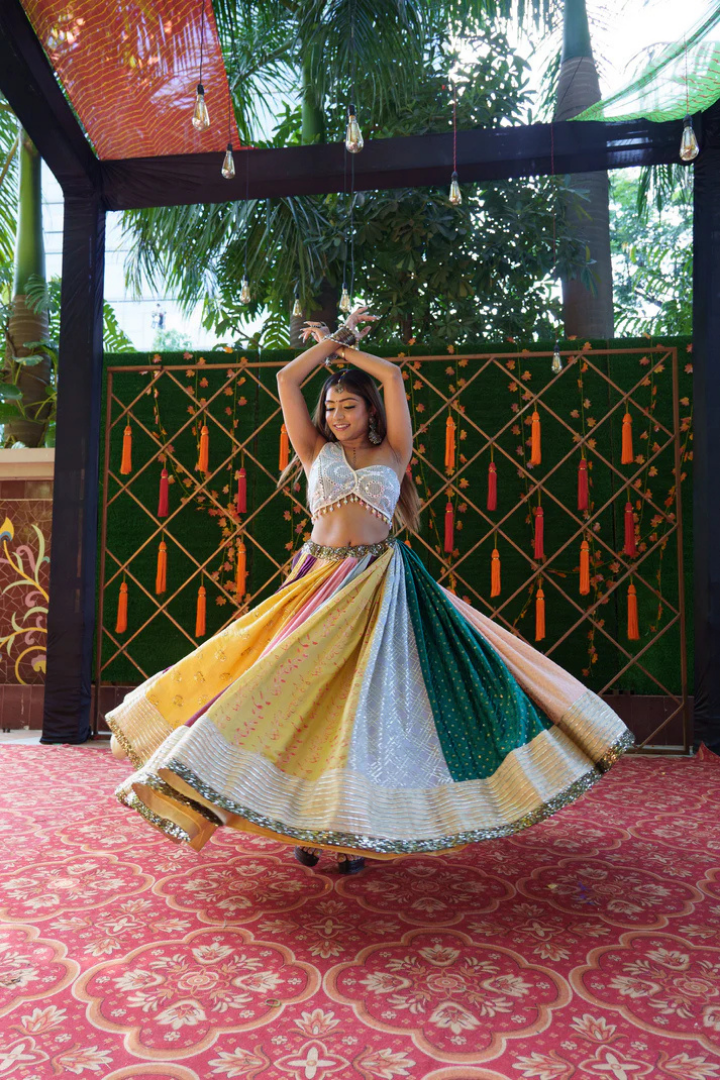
[{"x": 373, "y": 434}]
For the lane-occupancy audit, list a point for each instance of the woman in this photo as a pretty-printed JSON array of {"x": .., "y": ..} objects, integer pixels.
[{"x": 362, "y": 709}]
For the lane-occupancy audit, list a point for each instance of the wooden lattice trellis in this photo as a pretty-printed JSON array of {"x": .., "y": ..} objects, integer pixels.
[{"x": 485, "y": 430}]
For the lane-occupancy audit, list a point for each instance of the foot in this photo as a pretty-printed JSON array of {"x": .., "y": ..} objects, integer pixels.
[
  {"x": 307, "y": 856},
  {"x": 116, "y": 749},
  {"x": 348, "y": 865}
]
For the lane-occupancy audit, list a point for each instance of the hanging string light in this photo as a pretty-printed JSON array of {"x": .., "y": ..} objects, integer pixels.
[
  {"x": 455, "y": 195},
  {"x": 228, "y": 165},
  {"x": 200, "y": 116},
  {"x": 345, "y": 304},
  {"x": 689, "y": 147},
  {"x": 245, "y": 297},
  {"x": 353, "y": 136},
  {"x": 297, "y": 306},
  {"x": 557, "y": 364}
]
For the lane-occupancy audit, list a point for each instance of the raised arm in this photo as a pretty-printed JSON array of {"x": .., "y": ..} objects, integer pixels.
[
  {"x": 301, "y": 431},
  {"x": 399, "y": 426}
]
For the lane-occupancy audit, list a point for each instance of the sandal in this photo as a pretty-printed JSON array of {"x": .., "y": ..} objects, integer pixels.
[
  {"x": 306, "y": 856},
  {"x": 348, "y": 865}
]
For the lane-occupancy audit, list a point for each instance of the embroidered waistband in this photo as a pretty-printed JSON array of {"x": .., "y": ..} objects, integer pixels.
[{"x": 322, "y": 551}]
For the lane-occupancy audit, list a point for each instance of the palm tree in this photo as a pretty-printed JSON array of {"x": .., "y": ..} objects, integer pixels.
[
  {"x": 27, "y": 325},
  {"x": 388, "y": 56},
  {"x": 588, "y": 312}
]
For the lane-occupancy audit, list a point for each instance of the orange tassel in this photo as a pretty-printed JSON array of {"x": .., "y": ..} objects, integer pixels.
[
  {"x": 492, "y": 486},
  {"x": 535, "y": 451},
  {"x": 407, "y": 543},
  {"x": 630, "y": 548},
  {"x": 126, "y": 463},
  {"x": 284, "y": 448},
  {"x": 540, "y": 614},
  {"x": 539, "y": 533},
  {"x": 163, "y": 494},
  {"x": 241, "y": 503},
  {"x": 241, "y": 571},
  {"x": 161, "y": 572},
  {"x": 633, "y": 621},
  {"x": 584, "y": 568},
  {"x": 121, "y": 624},
  {"x": 450, "y": 426},
  {"x": 449, "y": 528},
  {"x": 495, "y": 573},
  {"x": 200, "y": 614},
  {"x": 582, "y": 485},
  {"x": 627, "y": 447},
  {"x": 204, "y": 448}
]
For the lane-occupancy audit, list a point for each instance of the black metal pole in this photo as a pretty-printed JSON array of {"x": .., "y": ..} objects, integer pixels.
[
  {"x": 706, "y": 432},
  {"x": 71, "y": 615}
]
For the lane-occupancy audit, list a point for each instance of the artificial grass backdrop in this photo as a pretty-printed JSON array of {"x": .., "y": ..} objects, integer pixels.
[{"x": 579, "y": 397}]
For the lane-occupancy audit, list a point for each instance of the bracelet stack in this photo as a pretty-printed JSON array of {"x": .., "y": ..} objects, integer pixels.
[{"x": 345, "y": 335}]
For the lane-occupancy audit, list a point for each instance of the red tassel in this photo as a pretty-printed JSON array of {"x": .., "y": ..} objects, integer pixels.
[
  {"x": 582, "y": 485},
  {"x": 121, "y": 623},
  {"x": 626, "y": 457},
  {"x": 449, "y": 528},
  {"x": 539, "y": 533},
  {"x": 540, "y": 614},
  {"x": 630, "y": 548},
  {"x": 241, "y": 572},
  {"x": 492, "y": 486},
  {"x": 126, "y": 463},
  {"x": 535, "y": 448},
  {"x": 584, "y": 568},
  {"x": 241, "y": 501},
  {"x": 284, "y": 449},
  {"x": 161, "y": 572},
  {"x": 163, "y": 500},
  {"x": 450, "y": 426},
  {"x": 202, "y": 464},
  {"x": 495, "y": 573},
  {"x": 200, "y": 613},
  {"x": 633, "y": 620}
]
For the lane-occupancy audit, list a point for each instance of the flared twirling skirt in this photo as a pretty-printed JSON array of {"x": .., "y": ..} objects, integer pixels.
[{"x": 366, "y": 709}]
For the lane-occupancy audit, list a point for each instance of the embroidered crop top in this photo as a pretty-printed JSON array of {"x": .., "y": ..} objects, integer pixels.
[{"x": 332, "y": 481}]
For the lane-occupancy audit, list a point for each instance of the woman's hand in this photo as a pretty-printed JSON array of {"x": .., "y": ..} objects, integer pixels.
[
  {"x": 317, "y": 330},
  {"x": 360, "y": 315}
]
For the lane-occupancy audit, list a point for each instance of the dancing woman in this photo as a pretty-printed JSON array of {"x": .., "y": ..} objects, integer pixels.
[{"x": 362, "y": 709}]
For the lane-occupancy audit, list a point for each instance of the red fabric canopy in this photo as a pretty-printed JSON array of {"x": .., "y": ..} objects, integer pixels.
[{"x": 130, "y": 70}]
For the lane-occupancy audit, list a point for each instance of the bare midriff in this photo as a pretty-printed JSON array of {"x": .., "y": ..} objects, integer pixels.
[{"x": 348, "y": 525}]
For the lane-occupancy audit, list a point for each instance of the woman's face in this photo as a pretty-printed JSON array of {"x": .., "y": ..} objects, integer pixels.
[{"x": 347, "y": 414}]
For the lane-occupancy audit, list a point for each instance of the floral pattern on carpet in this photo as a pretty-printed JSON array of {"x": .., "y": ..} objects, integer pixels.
[{"x": 586, "y": 946}]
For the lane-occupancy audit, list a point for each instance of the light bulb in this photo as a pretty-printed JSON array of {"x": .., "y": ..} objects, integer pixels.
[
  {"x": 245, "y": 297},
  {"x": 228, "y": 165},
  {"x": 455, "y": 193},
  {"x": 345, "y": 301},
  {"x": 557, "y": 364},
  {"x": 353, "y": 136},
  {"x": 200, "y": 116},
  {"x": 297, "y": 306},
  {"x": 689, "y": 148}
]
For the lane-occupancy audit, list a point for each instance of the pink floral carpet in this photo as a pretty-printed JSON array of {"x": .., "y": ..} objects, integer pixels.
[{"x": 588, "y": 946}]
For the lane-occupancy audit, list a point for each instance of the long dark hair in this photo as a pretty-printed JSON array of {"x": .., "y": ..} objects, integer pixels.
[{"x": 358, "y": 382}]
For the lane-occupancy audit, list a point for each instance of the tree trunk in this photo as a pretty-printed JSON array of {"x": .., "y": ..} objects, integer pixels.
[
  {"x": 586, "y": 313},
  {"x": 24, "y": 324}
]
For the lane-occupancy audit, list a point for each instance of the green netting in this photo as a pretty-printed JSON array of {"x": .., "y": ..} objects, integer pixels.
[{"x": 684, "y": 78}]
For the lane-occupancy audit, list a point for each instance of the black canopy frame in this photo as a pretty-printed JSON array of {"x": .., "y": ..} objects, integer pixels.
[{"x": 92, "y": 187}]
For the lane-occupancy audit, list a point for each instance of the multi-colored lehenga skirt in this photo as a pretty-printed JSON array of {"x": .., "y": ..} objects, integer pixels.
[{"x": 365, "y": 709}]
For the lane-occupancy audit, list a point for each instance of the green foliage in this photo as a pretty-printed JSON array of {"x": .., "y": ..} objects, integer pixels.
[
  {"x": 482, "y": 269},
  {"x": 45, "y": 296},
  {"x": 651, "y": 242},
  {"x": 169, "y": 341}
]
